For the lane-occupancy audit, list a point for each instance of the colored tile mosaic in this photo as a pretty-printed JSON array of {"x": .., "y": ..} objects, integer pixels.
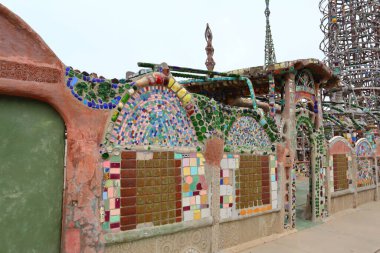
[
  {"x": 150, "y": 189},
  {"x": 363, "y": 148},
  {"x": 195, "y": 197},
  {"x": 94, "y": 92},
  {"x": 111, "y": 193},
  {"x": 153, "y": 116},
  {"x": 365, "y": 174},
  {"x": 211, "y": 117},
  {"x": 255, "y": 182},
  {"x": 340, "y": 171},
  {"x": 246, "y": 132},
  {"x": 228, "y": 165},
  {"x": 145, "y": 189},
  {"x": 288, "y": 199}
]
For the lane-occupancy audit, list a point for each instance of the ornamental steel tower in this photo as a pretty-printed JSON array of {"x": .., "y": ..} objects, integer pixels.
[
  {"x": 351, "y": 44},
  {"x": 270, "y": 55}
]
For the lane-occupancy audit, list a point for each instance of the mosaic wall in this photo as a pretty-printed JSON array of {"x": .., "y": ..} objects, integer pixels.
[
  {"x": 256, "y": 184},
  {"x": 152, "y": 116},
  {"x": 340, "y": 172},
  {"x": 195, "y": 197},
  {"x": 246, "y": 132},
  {"x": 146, "y": 189},
  {"x": 150, "y": 189},
  {"x": 365, "y": 169},
  {"x": 110, "y": 213},
  {"x": 363, "y": 148},
  {"x": 288, "y": 199},
  {"x": 228, "y": 166},
  {"x": 211, "y": 118},
  {"x": 365, "y": 175}
]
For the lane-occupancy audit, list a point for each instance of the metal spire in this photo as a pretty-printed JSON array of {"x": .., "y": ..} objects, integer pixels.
[{"x": 270, "y": 55}]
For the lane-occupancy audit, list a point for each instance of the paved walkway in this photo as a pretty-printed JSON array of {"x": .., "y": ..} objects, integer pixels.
[{"x": 352, "y": 231}]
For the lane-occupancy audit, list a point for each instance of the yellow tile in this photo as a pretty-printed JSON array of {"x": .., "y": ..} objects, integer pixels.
[
  {"x": 186, "y": 99},
  {"x": 176, "y": 86},
  {"x": 197, "y": 214},
  {"x": 186, "y": 171},
  {"x": 181, "y": 93},
  {"x": 171, "y": 82}
]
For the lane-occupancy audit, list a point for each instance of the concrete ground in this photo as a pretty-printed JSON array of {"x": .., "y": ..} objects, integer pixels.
[{"x": 351, "y": 231}]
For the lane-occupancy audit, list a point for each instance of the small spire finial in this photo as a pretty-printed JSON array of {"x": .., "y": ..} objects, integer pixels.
[{"x": 210, "y": 63}]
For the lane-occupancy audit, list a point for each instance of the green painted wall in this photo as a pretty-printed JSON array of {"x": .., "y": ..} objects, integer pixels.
[{"x": 31, "y": 176}]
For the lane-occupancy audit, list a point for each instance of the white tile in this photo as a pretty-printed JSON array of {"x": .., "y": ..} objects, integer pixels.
[
  {"x": 224, "y": 164},
  {"x": 223, "y": 190},
  {"x": 274, "y": 195},
  {"x": 230, "y": 190},
  {"x": 274, "y": 186},
  {"x": 188, "y": 215},
  {"x": 205, "y": 213},
  {"x": 223, "y": 213},
  {"x": 186, "y": 201},
  {"x": 198, "y": 200},
  {"x": 231, "y": 163}
]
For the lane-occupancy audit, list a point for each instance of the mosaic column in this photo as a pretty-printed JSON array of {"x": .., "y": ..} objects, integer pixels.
[
  {"x": 289, "y": 115},
  {"x": 354, "y": 172},
  {"x": 314, "y": 163},
  {"x": 318, "y": 107},
  {"x": 376, "y": 178},
  {"x": 213, "y": 156}
]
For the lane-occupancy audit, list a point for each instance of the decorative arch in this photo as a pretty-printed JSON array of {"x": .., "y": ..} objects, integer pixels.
[
  {"x": 341, "y": 154},
  {"x": 246, "y": 132},
  {"x": 363, "y": 148},
  {"x": 365, "y": 159},
  {"x": 338, "y": 144},
  {"x": 153, "y": 115}
]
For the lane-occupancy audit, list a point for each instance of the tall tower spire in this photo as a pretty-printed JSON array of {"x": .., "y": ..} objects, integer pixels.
[{"x": 270, "y": 55}]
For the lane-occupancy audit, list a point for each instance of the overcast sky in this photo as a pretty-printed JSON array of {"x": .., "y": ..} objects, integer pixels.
[{"x": 110, "y": 37}]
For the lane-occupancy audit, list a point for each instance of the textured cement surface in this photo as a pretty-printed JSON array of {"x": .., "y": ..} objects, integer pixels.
[{"x": 351, "y": 231}]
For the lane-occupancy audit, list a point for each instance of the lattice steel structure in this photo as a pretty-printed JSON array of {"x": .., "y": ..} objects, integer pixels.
[
  {"x": 270, "y": 55},
  {"x": 351, "y": 44}
]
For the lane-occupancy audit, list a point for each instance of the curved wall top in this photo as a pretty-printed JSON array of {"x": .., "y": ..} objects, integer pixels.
[
  {"x": 20, "y": 43},
  {"x": 339, "y": 145},
  {"x": 363, "y": 148}
]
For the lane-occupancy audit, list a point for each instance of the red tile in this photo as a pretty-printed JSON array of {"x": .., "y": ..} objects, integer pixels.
[
  {"x": 128, "y": 182},
  {"x": 128, "y": 155},
  {"x": 129, "y": 173},
  {"x": 129, "y": 220},
  {"x": 128, "y": 192},
  {"x": 114, "y": 225},
  {"x": 128, "y": 164},
  {"x": 115, "y": 165},
  {"x": 130, "y": 201},
  {"x": 127, "y": 227},
  {"x": 178, "y": 163}
]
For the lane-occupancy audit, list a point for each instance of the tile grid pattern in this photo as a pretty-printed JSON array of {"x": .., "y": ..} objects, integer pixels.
[
  {"x": 195, "y": 197},
  {"x": 340, "y": 168},
  {"x": 151, "y": 189},
  {"x": 111, "y": 193}
]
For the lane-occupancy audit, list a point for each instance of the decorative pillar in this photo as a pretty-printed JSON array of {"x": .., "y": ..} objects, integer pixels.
[
  {"x": 376, "y": 177},
  {"x": 354, "y": 171},
  {"x": 289, "y": 116},
  {"x": 214, "y": 155}
]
